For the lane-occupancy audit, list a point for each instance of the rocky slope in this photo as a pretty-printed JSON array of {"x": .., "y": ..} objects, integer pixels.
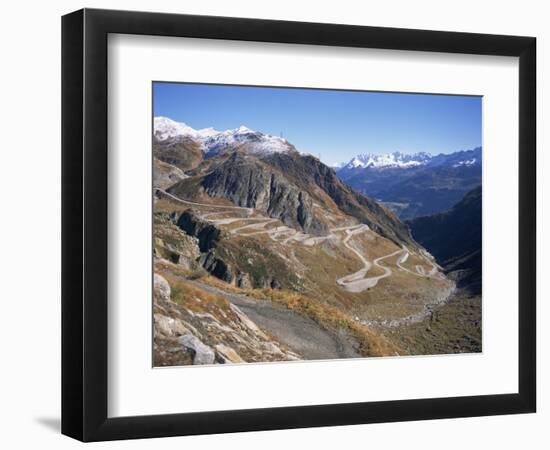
[
  {"x": 454, "y": 238},
  {"x": 182, "y": 152},
  {"x": 193, "y": 326},
  {"x": 166, "y": 175}
]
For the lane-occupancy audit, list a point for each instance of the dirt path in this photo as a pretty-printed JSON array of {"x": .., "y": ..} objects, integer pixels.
[{"x": 298, "y": 332}]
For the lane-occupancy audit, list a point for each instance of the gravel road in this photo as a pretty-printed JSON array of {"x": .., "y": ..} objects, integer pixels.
[{"x": 300, "y": 333}]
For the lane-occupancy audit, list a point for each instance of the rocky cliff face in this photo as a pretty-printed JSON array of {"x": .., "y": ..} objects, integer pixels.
[
  {"x": 207, "y": 234},
  {"x": 249, "y": 182}
]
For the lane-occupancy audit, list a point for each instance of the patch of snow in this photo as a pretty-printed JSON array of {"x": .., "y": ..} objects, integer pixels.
[
  {"x": 165, "y": 128},
  {"x": 213, "y": 141},
  {"x": 468, "y": 162}
]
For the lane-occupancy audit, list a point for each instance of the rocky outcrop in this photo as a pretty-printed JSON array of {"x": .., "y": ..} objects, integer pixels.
[
  {"x": 246, "y": 181},
  {"x": 217, "y": 267},
  {"x": 168, "y": 326},
  {"x": 174, "y": 245},
  {"x": 206, "y": 233},
  {"x": 193, "y": 326},
  {"x": 161, "y": 288},
  {"x": 203, "y": 354}
]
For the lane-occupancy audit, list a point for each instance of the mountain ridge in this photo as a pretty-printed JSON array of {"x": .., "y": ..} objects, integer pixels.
[
  {"x": 214, "y": 142},
  {"x": 454, "y": 238},
  {"x": 402, "y": 160}
]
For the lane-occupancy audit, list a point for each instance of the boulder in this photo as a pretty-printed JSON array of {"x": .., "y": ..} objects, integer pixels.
[
  {"x": 161, "y": 288},
  {"x": 203, "y": 353},
  {"x": 168, "y": 326}
]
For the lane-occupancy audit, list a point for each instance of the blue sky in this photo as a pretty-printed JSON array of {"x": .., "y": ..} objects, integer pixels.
[{"x": 337, "y": 125}]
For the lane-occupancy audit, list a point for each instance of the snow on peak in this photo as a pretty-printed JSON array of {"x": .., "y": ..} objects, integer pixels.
[
  {"x": 243, "y": 129},
  {"x": 207, "y": 132},
  {"x": 214, "y": 142},
  {"x": 396, "y": 159},
  {"x": 166, "y": 128},
  {"x": 463, "y": 158}
]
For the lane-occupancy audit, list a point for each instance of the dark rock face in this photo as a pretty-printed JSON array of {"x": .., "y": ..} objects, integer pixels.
[
  {"x": 217, "y": 267},
  {"x": 248, "y": 182},
  {"x": 454, "y": 238},
  {"x": 207, "y": 234}
]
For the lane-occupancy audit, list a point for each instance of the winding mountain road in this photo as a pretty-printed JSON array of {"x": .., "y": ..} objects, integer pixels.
[{"x": 355, "y": 282}]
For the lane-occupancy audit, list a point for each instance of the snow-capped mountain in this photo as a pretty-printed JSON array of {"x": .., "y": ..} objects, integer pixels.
[
  {"x": 404, "y": 161},
  {"x": 396, "y": 159},
  {"x": 213, "y": 142},
  {"x": 415, "y": 185}
]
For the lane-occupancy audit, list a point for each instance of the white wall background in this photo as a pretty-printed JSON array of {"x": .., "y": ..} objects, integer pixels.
[{"x": 30, "y": 229}]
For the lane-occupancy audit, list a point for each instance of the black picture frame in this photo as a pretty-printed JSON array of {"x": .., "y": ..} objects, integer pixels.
[{"x": 84, "y": 224}]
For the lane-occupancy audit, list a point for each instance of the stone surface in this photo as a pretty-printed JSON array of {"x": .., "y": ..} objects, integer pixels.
[
  {"x": 203, "y": 353},
  {"x": 168, "y": 326},
  {"x": 228, "y": 354},
  {"x": 161, "y": 288}
]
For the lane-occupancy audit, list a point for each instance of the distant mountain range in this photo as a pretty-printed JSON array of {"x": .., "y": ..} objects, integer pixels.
[
  {"x": 454, "y": 238},
  {"x": 414, "y": 185}
]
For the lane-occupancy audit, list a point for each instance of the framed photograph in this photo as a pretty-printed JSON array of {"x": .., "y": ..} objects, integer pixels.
[{"x": 273, "y": 224}]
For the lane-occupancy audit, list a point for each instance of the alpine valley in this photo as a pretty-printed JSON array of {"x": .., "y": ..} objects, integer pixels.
[
  {"x": 263, "y": 253},
  {"x": 414, "y": 185}
]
